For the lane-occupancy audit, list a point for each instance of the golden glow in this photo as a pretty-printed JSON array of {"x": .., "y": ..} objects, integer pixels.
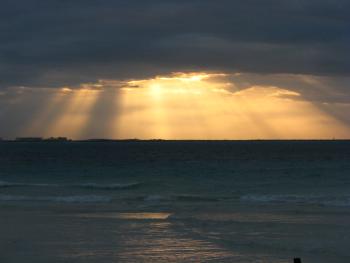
[
  {"x": 184, "y": 106},
  {"x": 75, "y": 115},
  {"x": 66, "y": 90},
  {"x": 135, "y": 216},
  {"x": 42, "y": 120},
  {"x": 205, "y": 106},
  {"x": 157, "y": 241}
]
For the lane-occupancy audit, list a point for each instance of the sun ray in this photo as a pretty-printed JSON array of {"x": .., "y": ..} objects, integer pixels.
[
  {"x": 183, "y": 106},
  {"x": 52, "y": 103},
  {"x": 199, "y": 107},
  {"x": 75, "y": 116}
]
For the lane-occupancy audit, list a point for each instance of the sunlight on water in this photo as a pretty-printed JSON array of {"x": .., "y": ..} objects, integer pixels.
[
  {"x": 140, "y": 216},
  {"x": 151, "y": 238},
  {"x": 160, "y": 242}
]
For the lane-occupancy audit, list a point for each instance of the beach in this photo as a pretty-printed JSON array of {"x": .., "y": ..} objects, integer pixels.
[{"x": 175, "y": 202}]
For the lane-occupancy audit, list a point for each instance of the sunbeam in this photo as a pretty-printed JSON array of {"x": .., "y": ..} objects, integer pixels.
[
  {"x": 76, "y": 114},
  {"x": 203, "y": 106},
  {"x": 179, "y": 106}
]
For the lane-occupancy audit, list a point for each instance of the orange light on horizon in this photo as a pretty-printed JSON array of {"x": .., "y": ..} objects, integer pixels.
[
  {"x": 75, "y": 115},
  {"x": 185, "y": 106}
]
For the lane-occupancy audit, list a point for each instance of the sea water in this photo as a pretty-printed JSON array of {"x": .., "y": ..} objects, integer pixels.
[{"x": 175, "y": 201}]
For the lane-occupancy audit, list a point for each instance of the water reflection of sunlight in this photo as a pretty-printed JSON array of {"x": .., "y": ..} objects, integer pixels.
[
  {"x": 152, "y": 237},
  {"x": 159, "y": 241},
  {"x": 140, "y": 216}
]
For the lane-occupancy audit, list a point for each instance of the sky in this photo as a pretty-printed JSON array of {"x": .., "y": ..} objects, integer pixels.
[{"x": 175, "y": 69}]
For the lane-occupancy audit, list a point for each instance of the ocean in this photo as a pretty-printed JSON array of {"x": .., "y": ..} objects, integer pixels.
[{"x": 175, "y": 201}]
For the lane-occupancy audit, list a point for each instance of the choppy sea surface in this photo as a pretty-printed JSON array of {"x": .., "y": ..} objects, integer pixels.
[{"x": 175, "y": 201}]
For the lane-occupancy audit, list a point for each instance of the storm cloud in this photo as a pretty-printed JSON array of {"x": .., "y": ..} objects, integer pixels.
[{"x": 59, "y": 42}]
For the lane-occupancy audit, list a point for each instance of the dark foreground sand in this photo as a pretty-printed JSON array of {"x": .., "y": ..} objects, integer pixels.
[{"x": 75, "y": 233}]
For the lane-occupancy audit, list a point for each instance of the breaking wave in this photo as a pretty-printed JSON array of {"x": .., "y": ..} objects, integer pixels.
[
  {"x": 341, "y": 201},
  {"x": 85, "y": 185},
  {"x": 109, "y": 186},
  {"x": 10, "y": 184},
  {"x": 58, "y": 199},
  {"x": 180, "y": 198}
]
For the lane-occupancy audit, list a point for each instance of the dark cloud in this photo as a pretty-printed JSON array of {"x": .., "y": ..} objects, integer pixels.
[
  {"x": 67, "y": 42},
  {"x": 317, "y": 89}
]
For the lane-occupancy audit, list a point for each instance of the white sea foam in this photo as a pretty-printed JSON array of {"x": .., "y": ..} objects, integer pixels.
[
  {"x": 85, "y": 185},
  {"x": 109, "y": 186},
  {"x": 180, "y": 198},
  {"x": 6, "y": 184},
  {"x": 298, "y": 199},
  {"x": 156, "y": 198},
  {"x": 59, "y": 199},
  {"x": 11, "y": 184}
]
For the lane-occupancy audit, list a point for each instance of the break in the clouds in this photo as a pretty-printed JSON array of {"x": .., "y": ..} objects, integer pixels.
[
  {"x": 61, "y": 42},
  {"x": 250, "y": 69}
]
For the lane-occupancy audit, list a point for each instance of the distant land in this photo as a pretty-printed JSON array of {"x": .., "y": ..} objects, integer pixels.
[{"x": 65, "y": 139}]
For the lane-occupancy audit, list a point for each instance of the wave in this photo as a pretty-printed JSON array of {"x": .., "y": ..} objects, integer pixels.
[
  {"x": 180, "y": 198},
  {"x": 85, "y": 185},
  {"x": 325, "y": 200},
  {"x": 156, "y": 198},
  {"x": 109, "y": 186},
  {"x": 58, "y": 199},
  {"x": 196, "y": 198},
  {"x": 9, "y": 184}
]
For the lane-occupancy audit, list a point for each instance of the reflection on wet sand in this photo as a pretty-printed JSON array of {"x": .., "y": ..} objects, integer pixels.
[
  {"x": 140, "y": 216},
  {"x": 150, "y": 237},
  {"x": 159, "y": 242}
]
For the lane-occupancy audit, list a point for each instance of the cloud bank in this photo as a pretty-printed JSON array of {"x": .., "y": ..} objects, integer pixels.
[
  {"x": 61, "y": 42},
  {"x": 298, "y": 46}
]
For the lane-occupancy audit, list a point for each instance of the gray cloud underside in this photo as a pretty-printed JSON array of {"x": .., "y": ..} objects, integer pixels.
[{"x": 61, "y": 42}]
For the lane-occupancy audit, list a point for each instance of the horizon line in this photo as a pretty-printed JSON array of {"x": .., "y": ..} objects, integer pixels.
[{"x": 65, "y": 139}]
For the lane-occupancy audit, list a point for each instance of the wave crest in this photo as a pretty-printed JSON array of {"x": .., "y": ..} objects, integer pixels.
[
  {"x": 342, "y": 201},
  {"x": 4, "y": 184},
  {"x": 180, "y": 198},
  {"x": 109, "y": 186},
  {"x": 58, "y": 199}
]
